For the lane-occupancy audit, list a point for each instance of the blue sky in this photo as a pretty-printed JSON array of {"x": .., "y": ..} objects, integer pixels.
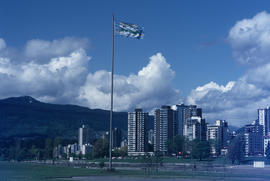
[
  {"x": 190, "y": 34},
  {"x": 193, "y": 38}
]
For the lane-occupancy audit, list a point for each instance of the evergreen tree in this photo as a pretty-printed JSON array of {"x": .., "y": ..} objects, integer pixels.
[
  {"x": 235, "y": 151},
  {"x": 48, "y": 148},
  {"x": 200, "y": 149},
  {"x": 176, "y": 145},
  {"x": 101, "y": 148}
]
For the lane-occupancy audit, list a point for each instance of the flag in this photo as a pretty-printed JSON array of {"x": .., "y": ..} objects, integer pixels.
[{"x": 129, "y": 30}]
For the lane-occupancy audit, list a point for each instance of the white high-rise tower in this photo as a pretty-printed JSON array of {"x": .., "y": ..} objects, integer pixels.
[{"x": 137, "y": 132}]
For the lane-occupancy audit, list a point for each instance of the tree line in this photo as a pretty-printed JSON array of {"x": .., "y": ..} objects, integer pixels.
[{"x": 41, "y": 148}]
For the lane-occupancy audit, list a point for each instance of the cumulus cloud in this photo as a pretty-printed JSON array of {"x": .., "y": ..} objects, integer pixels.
[
  {"x": 239, "y": 100},
  {"x": 57, "y": 71},
  {"x": 250, "y": 39},
  {"x": 150, "y": 88},
  {"x": 201, "y": 91},
  {"x": 55, "y": 81},
  {"x": 42, "y": 50},
  {"x": 236, "y": 102}
]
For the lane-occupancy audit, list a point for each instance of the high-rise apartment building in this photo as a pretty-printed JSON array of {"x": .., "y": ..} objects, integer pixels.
[
  {"x": 195, "y": 128},
  {"x": 181, "y": 117},
  {"x": 264, "y": 120},
  {"x": 184, "y": 113},
  {"x": 116, "y": 138},
  {"x": 218, "y": 135},
  {"x": 84, "y": 135},
  {"x": 253, "y": 140},
  {"x": 165, "y": 128},
  {"x": 224, "y": 132},
  {"x": 137, "y": 132},
  {"x": 213, "y": 135}
]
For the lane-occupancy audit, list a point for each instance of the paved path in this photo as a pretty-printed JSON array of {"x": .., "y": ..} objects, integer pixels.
[
  {"x": 117, "y": 178},
  {"x": 247, "y": 172}
]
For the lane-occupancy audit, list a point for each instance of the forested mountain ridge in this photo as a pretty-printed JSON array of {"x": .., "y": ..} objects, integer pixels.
[{"x": 24, "y": 116}]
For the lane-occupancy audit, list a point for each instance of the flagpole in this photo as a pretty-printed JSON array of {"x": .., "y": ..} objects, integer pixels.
[{"x": 111, "y": 112}]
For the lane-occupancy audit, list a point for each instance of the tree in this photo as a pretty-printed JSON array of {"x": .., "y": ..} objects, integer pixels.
[
  {"x": 101, "y": 148},
  {"x": 21, "y": 155},
  {"x": 48, "y": 148},
  {"x": 57, "y": 141},
  {"x": 33, "y": 151},
  {"x": 235, "y": 150},
  {"x": 200, "y": 149},
  {"x": 80, "y": 156},
  {"x": 89, "y": 155},
  {"x": 18, "y": 149},
  {"x": 176, "y": 145},
  {"x": 120, "y": 152},
  {"x": 171, "y": 146}
]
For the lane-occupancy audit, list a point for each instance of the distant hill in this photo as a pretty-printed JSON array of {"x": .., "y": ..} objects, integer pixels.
[
  {"x": 240, "y": 130},
  {"x": 22, "y": 116},
  {"x": 233, "y": 128}
]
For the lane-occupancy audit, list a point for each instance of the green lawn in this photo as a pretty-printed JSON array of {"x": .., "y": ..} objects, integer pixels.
[
  {"x": 168, "y": 160},
  {"x": 30, "y": 172},
  {"x": 11, "y": 171}
]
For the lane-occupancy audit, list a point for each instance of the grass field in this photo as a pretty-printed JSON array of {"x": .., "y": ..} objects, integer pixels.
[
  {"x": 167, "y": 160},
  {"x": 10, "y": 171}
]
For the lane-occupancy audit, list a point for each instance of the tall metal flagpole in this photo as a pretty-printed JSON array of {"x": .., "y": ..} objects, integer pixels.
[{"x": 111, "y": 113}]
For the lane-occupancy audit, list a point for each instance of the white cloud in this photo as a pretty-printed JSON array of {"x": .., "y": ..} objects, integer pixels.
[
  {"x": 250, "y": 39},
  {"x": 151, "y": 87},
  {"x": 42, "y": 50},
  {"x": 202, "y": 91},
  {"x": 56, "y": 81},
  {"x": 57, "y": 71},
  {"x": 236, "y": 102},
  {"x": 239, "y": 100}
]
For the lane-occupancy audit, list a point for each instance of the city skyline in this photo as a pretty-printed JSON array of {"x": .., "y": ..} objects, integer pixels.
[{"x": 65, "y": 57}]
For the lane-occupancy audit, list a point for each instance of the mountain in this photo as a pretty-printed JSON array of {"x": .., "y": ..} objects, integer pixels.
[
  {"x": 23, "y": 116},
  {"x": 233, "y": 128}
]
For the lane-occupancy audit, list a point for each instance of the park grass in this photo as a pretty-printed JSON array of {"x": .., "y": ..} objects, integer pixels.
[
  {"x": 35, "y": 172},
  {"x": 13, "y": 171},
  {"x": 164, "y": 160}
]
